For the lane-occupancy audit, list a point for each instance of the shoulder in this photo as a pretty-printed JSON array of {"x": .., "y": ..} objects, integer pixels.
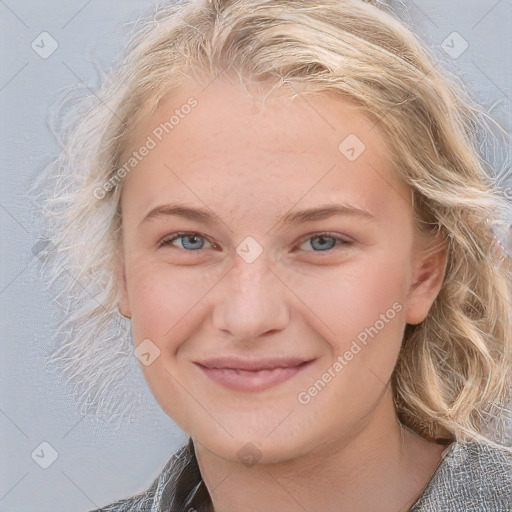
[
  {"x": 154, "y": 498},
  {"x": 471, "y": 477},
  {"x": 138, "y": 503},
  {"x": 142, "y": 502}
]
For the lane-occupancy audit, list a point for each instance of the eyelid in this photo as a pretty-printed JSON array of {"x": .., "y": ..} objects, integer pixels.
[
  {"x": 168, "y": 239},
  {"x": 329, "y": 234},
  {"x": 345, "y": 240}
]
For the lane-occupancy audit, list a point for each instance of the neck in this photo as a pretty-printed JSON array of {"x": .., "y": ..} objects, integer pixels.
[{"x": 381, "y": 468}]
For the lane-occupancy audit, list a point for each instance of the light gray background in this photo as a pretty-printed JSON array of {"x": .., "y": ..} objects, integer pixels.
[{"x": 98, "y": 463}]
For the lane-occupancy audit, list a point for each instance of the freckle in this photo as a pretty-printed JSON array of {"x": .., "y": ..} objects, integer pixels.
[{"x": 255, "y": 109}]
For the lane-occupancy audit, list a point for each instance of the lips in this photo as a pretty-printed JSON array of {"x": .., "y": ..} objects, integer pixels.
[
  {"x": 252, "y": 375},
  {"x": 251, "y": 365}
]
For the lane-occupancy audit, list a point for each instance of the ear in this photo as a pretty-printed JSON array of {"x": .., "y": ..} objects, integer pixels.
[
  {"x": 122, "y": 293},
  {"x": 427, "y": 278}
]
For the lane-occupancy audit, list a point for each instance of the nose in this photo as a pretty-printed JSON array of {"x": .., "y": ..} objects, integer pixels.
[{"x": 250, "y": 301}]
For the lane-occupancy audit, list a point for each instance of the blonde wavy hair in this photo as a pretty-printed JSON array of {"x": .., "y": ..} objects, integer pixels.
[{"x": 453, "y": 375}]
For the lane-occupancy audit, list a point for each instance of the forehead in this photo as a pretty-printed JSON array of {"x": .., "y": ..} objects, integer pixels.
[{"x": 233, "y": 149}]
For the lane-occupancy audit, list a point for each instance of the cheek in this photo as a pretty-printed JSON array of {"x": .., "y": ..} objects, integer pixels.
[
  {"x": 164, "y": 298},
  {"x": 358, "y": 309},
  {"x": 352, "y": 296},
  {"x": 376, "y": 311},
  {"x": 158, "y": 298}
]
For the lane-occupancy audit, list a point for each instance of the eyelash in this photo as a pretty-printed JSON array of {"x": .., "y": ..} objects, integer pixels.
[{"x": 168, "y": 240}]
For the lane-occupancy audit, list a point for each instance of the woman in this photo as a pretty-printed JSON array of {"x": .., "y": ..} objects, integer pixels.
[{"x": 285, "y": 201}]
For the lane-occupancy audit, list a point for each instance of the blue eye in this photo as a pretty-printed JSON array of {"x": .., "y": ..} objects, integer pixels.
[
  {"x": 190, "y": 241},
  {"x": 325, "y": 241}
]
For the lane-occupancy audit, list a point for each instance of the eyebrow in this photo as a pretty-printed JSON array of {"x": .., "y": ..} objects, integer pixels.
[{"x": 295, "y": 218}]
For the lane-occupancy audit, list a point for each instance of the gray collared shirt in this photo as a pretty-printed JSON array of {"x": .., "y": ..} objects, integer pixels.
[{"x": 471, "y": 477}]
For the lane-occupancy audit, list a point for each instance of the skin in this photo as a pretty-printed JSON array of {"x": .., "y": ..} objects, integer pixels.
[{"x": 251, "y": 164}]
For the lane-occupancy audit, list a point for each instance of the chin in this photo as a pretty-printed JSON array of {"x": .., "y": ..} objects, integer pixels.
[{"x": 255, "y": 445}]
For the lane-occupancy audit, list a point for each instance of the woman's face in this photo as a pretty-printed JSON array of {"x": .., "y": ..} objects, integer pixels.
[{"x": 258, "y": 280}]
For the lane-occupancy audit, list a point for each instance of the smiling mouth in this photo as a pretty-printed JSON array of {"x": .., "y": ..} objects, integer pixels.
[{"x": 253, "y": 376}]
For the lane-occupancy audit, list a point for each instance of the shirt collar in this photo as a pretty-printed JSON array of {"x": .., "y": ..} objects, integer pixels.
[{"x": 184, "y": 488}]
